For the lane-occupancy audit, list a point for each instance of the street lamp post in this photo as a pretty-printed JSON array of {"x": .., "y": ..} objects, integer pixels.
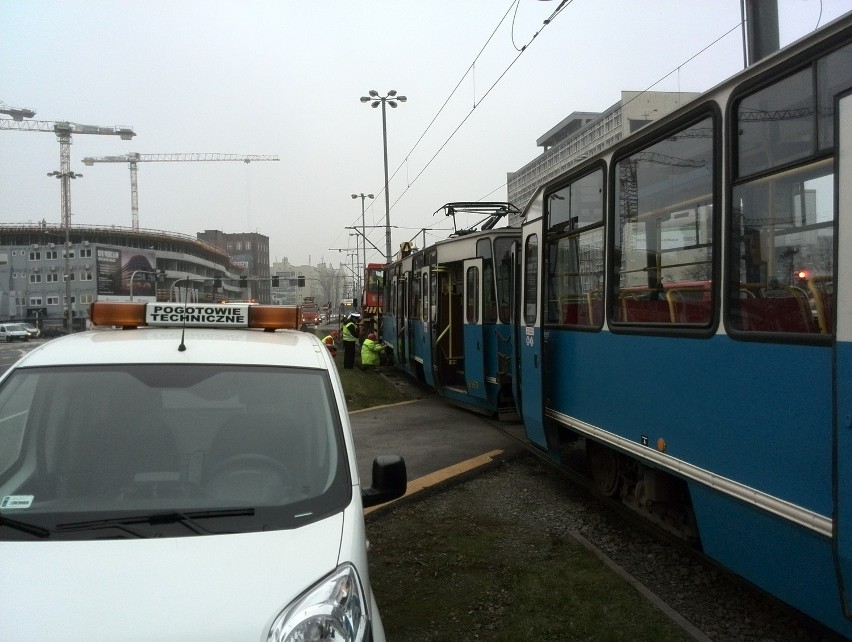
[
  {"x": 65, "y": 189},
  {"x": 375, "y": 100},
  {"x": 363, "y": 196}
]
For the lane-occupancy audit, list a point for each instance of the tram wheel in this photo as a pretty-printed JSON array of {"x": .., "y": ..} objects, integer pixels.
[{"x": 605, "y": 468}]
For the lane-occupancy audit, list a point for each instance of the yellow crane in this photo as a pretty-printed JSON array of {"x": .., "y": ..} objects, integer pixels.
[{"x": 133, "y": 158}]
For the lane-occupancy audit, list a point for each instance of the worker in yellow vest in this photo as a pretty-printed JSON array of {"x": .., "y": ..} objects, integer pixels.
[
  {"x": 330, "y": 341},
  {"x": 350, "y": 337}
]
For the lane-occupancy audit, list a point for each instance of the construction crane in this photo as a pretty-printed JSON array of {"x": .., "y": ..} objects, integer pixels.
[
  {"x": 133, "y": 158},
  {"x": 17, "y": 113},
  {"x": 64, "y": 131}
]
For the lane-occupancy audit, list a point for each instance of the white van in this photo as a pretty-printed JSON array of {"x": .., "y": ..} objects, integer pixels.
[
  {"x": 13, "y": 332},
  {"x": 190, "y": 482}
]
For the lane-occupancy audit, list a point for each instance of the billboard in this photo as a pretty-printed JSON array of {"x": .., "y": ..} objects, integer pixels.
[{"x": 116, "y": 267}]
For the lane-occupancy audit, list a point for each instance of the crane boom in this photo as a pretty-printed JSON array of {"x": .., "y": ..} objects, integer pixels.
[
  {"x": 63, "y": 130},
  {"x": 133, "y": 158},
  {"x": 176, "y": 158},
  {"x": 66, "y": 128},
  {"x": 17, "y": 113}
]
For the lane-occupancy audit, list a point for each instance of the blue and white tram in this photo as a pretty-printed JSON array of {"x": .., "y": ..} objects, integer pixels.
[
  {"x": 448, "y": 316},
  {"x": 684, "y": 307}
]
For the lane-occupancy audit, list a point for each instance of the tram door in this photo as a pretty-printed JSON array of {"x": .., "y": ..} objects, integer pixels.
[
  {"x": 429, "y": 288},
  {"x": 402, "y": 321},
  {"x": 474, "y": 344},
  {"x": 529, "y": 333},
  {"x": 843, "y": 357}
]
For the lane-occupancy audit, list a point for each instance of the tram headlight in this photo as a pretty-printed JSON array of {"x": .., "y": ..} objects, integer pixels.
[{"x": 334, "y": 608}]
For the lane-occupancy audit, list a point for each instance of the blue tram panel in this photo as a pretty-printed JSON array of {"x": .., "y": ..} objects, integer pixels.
[{"x": 677, "y": 303}]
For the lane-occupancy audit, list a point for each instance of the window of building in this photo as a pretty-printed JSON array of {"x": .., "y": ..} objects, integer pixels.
[
  {"x": 51, "y": 255},
  {"x": 35, "y": 301},
  {"x": 35, "y": 256},
  {"x": 87, "y": 298},
  {"x": 35, "y": 278},
  {"x": 52, "y": 277},
  {"x": 53, "y": 300},
  {"x": 86, "y": 253}
]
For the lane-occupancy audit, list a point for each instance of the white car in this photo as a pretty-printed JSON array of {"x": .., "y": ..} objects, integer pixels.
[
  {"x": 32, "y": 330},
  {"x": 194, "y": 481},
  {"x": 13, "y": 332}
]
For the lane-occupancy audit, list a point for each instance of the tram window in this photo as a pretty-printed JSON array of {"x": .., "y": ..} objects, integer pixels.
[
  {"x": 530, "y": 279},
  {"x": 575, "y": 253},
  {"x": 782, "y": 252},
  {"x": 834, "y": 75},
  {"x": 577, "y": 205},
  {"x": 664, "y": 229},
  {"x": 503, "y": 266},
  {"x": 433, "y": 297},
  {"x": 776, "y": 125},
  {"x": 426, "y": 304},
  {"x": 472, "y": 299},
  {"x": 489, "y": 301},
  {"x": 414, "y": 311}
]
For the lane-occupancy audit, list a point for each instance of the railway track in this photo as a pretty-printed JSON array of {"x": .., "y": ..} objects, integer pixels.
[{"x": 708, "y": 601}]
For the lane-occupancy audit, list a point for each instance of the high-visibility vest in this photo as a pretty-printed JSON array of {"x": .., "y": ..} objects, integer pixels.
[{"x": 350, "y": 331}]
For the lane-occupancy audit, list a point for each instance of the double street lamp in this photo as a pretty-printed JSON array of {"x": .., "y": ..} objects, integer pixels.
[
  {"x": 375, "y": 100},
  {"x": 363, "y": 237},
  {"x": 65, "y": 188}
]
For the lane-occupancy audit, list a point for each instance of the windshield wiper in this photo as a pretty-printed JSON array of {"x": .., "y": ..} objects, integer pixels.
[
  {"x": 24, "y": 527},
  {"x": 188, "y": 519}
]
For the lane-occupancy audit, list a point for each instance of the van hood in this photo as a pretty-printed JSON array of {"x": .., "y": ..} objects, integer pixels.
[{"x": 212, "y": 587}]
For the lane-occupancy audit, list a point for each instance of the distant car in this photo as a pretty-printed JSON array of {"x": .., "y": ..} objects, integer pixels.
[
  {"x": 211, "y": 439},
  {"x": 35, "y": 333},
  {"x": 13, "y": 332}
]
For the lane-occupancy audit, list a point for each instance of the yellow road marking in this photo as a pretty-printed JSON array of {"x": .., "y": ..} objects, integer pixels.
[{"x": 444, "y": 474}]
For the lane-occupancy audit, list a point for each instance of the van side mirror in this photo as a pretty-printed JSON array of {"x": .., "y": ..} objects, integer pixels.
[{"x": 390, "y": 481}]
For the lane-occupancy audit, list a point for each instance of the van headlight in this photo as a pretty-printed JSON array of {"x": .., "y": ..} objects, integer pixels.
[{"x": 334, "y": 608}]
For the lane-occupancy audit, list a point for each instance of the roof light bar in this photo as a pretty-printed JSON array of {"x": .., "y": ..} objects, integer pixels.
[{"x": 197, "y": 315}]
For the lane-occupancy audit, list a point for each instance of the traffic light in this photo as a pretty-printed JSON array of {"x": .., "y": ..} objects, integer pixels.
[
  {"x": 243, "y": 281},
  {"x": 217, "y": 282},
  {"x": 275, "y": 281},
  {"x": 301, "y": 281},
  {"x": 161, "y": 276}
]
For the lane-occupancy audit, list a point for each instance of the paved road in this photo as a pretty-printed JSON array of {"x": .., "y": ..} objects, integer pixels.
[
  {"x": 432, "y": 436},
  {"x": 11, "y": 352}
]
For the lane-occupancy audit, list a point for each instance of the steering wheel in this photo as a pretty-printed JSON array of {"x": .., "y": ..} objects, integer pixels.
[{"x": 272, "y": 473}]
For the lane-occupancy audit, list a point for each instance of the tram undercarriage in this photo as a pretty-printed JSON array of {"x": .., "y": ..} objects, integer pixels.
[{"x": 659, "y": 497}]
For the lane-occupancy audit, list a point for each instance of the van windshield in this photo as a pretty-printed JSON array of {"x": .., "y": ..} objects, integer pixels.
[{"x": 234, "y": 448}]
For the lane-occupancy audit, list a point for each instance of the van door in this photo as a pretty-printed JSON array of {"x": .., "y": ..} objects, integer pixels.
[
  {"x": 530, "y": 337},
  {"x": 843, "y": 357},
  {"x": 474, "y": 352}
]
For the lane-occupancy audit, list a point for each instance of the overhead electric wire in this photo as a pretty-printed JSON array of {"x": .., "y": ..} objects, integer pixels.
[{"x": 563, "y": 4}]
